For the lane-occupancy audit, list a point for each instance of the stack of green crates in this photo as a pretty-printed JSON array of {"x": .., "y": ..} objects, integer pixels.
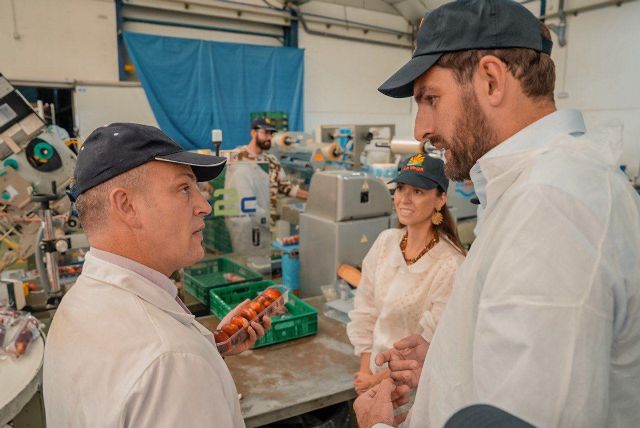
[
  {"x": 216, "y": 236},
  {"x": 208, "y": 274},
  {"x": 300, "y": 320}
]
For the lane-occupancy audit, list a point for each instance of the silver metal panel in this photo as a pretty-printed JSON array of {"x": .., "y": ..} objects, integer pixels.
[
  {"x": 325, "y": 245},
  {"x": 347, "y": 195}
]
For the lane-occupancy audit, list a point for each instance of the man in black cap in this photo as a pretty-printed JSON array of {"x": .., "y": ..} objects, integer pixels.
[
  {"x": 544, "y": 318},
  {"x": 261, "y": 133},
  {"x": 123, "y": 350}
]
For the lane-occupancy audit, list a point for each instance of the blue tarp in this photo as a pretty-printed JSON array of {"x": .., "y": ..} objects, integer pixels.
[{"x": 195, "y": 86}]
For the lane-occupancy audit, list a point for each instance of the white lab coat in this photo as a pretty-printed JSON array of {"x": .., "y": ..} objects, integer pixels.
[
  {"x": 121, "y": 352},
  {"x": 249, "y": 232},
  {"x": 544, "y": 319},
  {"x": 394, "y": 300}
]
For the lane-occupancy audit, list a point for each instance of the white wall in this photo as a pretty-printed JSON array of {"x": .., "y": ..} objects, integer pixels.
[
  {"x": 598, "y": 72},
  {"x": 61, "y": 40},
  {"x": 99, "y": 105},
  {"x": 341, "y": 81}
]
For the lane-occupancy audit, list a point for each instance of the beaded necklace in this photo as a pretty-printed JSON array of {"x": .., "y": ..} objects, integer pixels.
[{"x": 425, "y": 250}]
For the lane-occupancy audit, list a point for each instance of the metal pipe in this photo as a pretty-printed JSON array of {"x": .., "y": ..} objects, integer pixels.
[
  {"x": 212, "y": 4},
  {"x": 349, "y": 38},
  {"x": 356, "y": 24},
  {"x": 50, "y": 256},
  {"x": 40, "y": 266},
  {"x": 203, "y": 27},
  {"x": 580, "y": 9}
]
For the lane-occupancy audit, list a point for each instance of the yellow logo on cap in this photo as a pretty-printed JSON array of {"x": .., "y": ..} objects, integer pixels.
[{"x": 416, "y": 160}]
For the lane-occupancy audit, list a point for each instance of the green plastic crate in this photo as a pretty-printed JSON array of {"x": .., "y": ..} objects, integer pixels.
[
  {"x": 208, "y": 274},
  {"x": 216, "y": 235},
  {"x": 300, "y": 320}
]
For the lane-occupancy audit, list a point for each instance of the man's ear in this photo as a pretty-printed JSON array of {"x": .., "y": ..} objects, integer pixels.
[
  {"x": 123, "y": 206},
  {"x": 491, "y": 80}
]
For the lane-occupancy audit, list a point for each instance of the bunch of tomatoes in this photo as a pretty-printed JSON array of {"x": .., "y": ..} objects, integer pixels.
[{"x": 247, "y": 313}]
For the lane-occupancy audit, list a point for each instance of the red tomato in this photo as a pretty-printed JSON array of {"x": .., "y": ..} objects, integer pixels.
[
  {"x": 230, "y": 329},
  {"x": 240, "y": 322},
  {"x": 248, "y": 313},
  {"x": 256, "y": 307},
  {"x": 264, "y": 301},
  {"x": 220, "y": 336},
  {"x": 272, "y": 293}
]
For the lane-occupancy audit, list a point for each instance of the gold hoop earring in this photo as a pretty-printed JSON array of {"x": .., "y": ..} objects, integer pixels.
[{"x": 437, "y": 218}]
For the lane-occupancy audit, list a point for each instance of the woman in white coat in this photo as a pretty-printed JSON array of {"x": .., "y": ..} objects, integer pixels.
[{"x": 407, "y": 276}]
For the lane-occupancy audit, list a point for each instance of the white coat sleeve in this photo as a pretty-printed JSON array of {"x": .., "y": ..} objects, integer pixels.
[
  {"x": 545, "y": 317},
  {"x": 365, "y": 313},
  {"x": 440, "y": 292},
  {"x": 179, "y": 389}
]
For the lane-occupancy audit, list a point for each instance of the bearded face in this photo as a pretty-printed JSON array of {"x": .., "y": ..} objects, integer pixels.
[
  {"x": 473, "y": 137},
  {"x": 451, "y": 117},
  {"x": 263, "y": 139}
]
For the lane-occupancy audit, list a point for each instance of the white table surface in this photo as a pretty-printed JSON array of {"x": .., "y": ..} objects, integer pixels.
[{"x": 19, "y": 380}]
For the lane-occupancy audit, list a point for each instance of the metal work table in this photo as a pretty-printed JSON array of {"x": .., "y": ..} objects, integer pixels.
[{"x": 285, "y": 380}]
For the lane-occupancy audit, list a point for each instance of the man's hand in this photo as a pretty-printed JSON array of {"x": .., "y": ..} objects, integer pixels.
[
  {"x": 375, "y": 405},
  {"x": 405, "y": 360},
  {"x": 255, "y": 330}
]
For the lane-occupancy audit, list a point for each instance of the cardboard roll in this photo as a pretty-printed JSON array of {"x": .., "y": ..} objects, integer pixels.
[
  {"x": 292, "y": 140},
  {"x": 331, "y": 152},
  {"x": 350, "y": 274},
  {"x": 406, "y": 146}
]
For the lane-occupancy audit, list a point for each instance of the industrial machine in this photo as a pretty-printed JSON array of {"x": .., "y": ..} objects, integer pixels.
[
  {"x": 300, "y": 155},
  {"x": 345, "y": 213},
  {"x": 361, "y": 144},
  {"x": 35, "y": 163}
]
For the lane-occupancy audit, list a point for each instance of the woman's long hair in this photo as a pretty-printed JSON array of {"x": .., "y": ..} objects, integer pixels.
[{"x": 448, "y": 227}]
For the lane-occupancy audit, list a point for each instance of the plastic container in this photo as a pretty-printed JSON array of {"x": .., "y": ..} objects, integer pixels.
[
  {"x": 18, "y": 330},
  {"x": 299, "y": 320},
  {"x": 277, "y": 306},
  {"x": 217, "y": 272}
]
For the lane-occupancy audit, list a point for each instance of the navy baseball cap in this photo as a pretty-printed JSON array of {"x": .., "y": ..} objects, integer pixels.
[
  {"x": 464, "y": 25},
  {"x": 423, "y": 171},
  {"x": 264, "y": 123},
  {"x": 485, "y": 416},
  {"x": 117, "y": 148}
]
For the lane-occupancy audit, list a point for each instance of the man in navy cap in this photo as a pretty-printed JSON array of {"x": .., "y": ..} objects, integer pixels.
[
  {"x": 262, "y": 131},
  {"x": 544, "y": 318},
  {"x": 123, "y": 350}
]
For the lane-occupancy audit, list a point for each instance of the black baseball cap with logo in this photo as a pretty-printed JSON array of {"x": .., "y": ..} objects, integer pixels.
[
  {"x": 263, "y": 123},
  {"x": 464, "y": 25},
  {"x": 117, "y": 148},
  {"x": 423, "y": 171}
]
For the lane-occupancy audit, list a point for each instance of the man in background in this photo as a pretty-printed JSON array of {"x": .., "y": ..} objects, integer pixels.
[{"x": 261, "y": 133}]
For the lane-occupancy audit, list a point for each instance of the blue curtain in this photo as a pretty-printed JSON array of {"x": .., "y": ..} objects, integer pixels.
[{"x": 195, "y": 86}]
